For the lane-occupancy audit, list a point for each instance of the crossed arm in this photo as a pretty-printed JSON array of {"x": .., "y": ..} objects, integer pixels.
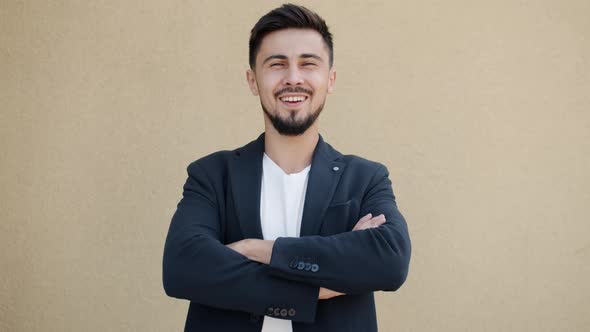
[
  {"x": 261, "y": 250},
  {"x": 198, "y": 267}
]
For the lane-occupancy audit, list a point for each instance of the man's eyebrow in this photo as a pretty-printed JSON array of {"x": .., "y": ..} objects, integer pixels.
[
  {"x": 311, "y": 55},
  {"x": 275, "y": 56},
  {"x": 284, "y": 57}
]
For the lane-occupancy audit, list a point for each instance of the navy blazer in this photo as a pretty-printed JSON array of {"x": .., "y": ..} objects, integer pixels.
[{"x": 229, "y": 292}]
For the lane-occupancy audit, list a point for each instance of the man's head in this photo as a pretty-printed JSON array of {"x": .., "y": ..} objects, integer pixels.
[{"x": 291, "y": 58}]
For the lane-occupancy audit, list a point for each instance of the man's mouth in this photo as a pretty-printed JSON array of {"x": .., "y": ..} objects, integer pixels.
[{"x": 293, "y": 101}]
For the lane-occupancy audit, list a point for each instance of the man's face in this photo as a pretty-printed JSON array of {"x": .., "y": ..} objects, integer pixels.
[{"x": 292, "y": 78}]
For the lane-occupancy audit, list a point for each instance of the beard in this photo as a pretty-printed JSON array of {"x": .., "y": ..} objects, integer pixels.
[{"x": 290, "y": 126}]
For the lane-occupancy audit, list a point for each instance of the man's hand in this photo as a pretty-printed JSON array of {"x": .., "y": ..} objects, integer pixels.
[
  {"x": 254, "y": 249},
  {"x": 240, "y": 246},
  {"x": 328, "y": 293},
  {"x": 369, "y": 222}
]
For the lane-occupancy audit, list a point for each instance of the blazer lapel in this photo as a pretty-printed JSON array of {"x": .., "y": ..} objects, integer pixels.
[
  {"x": 324, "y": 174},
  {"x": 245, "y": 174}
]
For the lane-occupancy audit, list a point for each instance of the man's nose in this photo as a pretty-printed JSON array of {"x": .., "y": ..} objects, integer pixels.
[{"x": 293, "y": 76}]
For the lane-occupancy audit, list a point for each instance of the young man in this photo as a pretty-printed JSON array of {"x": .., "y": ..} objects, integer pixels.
[{"x": 285, "y": 233}]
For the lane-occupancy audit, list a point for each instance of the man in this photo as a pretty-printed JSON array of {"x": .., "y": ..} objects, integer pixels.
[{"x": 285, "y": 233}]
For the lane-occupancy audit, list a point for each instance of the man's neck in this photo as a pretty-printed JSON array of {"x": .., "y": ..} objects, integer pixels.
[{"x": 291, "y": 153}]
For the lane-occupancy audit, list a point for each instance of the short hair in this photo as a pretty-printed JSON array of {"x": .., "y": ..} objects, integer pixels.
[{"x": 284, "y": 17}]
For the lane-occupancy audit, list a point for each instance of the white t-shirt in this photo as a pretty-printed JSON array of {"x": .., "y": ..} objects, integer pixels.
[{"x": 281, "y": 208}]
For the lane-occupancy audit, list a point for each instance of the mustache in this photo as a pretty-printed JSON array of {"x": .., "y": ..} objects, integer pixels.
[{"x": 292, "y": 90}]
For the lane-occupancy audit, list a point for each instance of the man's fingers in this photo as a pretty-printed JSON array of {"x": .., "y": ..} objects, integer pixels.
[
  {"x": 374, "y": 222},
  {"x": 365, "y": 218},
  {"x": 369, "y": 222},
  {"x": 378, "y": 220},
  {"x": 362, "y": 221}
]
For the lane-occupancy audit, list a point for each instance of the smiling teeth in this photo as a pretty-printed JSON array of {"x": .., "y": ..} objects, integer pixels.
[{"x": 294, "y": 99}]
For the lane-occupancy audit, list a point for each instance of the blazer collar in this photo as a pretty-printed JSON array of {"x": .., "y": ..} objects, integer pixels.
[{"x": 245, "y": 172}]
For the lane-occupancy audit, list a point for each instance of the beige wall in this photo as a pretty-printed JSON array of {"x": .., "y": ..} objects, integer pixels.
[{"x": 479, "y": 109}]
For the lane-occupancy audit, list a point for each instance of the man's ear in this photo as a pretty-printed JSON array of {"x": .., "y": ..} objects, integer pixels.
[
  {"x": 331, "y": 80},
  {"x": 251, "y": 78}
]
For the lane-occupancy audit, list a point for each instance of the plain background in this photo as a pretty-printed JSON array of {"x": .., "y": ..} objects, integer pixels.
[{"x": 480, "y": 110}]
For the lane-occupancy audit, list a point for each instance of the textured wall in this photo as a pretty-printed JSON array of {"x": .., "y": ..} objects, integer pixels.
[{"x": 480, "y": 109}]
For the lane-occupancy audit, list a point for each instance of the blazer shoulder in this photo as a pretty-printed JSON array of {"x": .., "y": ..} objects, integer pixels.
[
  {"x": 362, "y": 164},
  {"x": 213, "y": 162}
]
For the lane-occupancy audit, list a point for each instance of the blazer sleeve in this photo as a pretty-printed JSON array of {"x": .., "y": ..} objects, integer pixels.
[
  {"x": 352, "y": 262},
  {"x": 199, "y": 268}
]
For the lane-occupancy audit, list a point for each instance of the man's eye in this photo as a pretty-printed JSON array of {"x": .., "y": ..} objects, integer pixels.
[
  {"x": 276, "y": 64},
  {"x": 309, "y": 63}
]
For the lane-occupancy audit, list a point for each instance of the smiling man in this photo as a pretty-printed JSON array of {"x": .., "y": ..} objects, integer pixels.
[
  {"x": 292, "y": 73},
  {"x": 286, "y": 233}
]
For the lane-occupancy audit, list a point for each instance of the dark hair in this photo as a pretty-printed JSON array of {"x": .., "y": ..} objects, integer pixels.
[{"x": 288, "y": 16}]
